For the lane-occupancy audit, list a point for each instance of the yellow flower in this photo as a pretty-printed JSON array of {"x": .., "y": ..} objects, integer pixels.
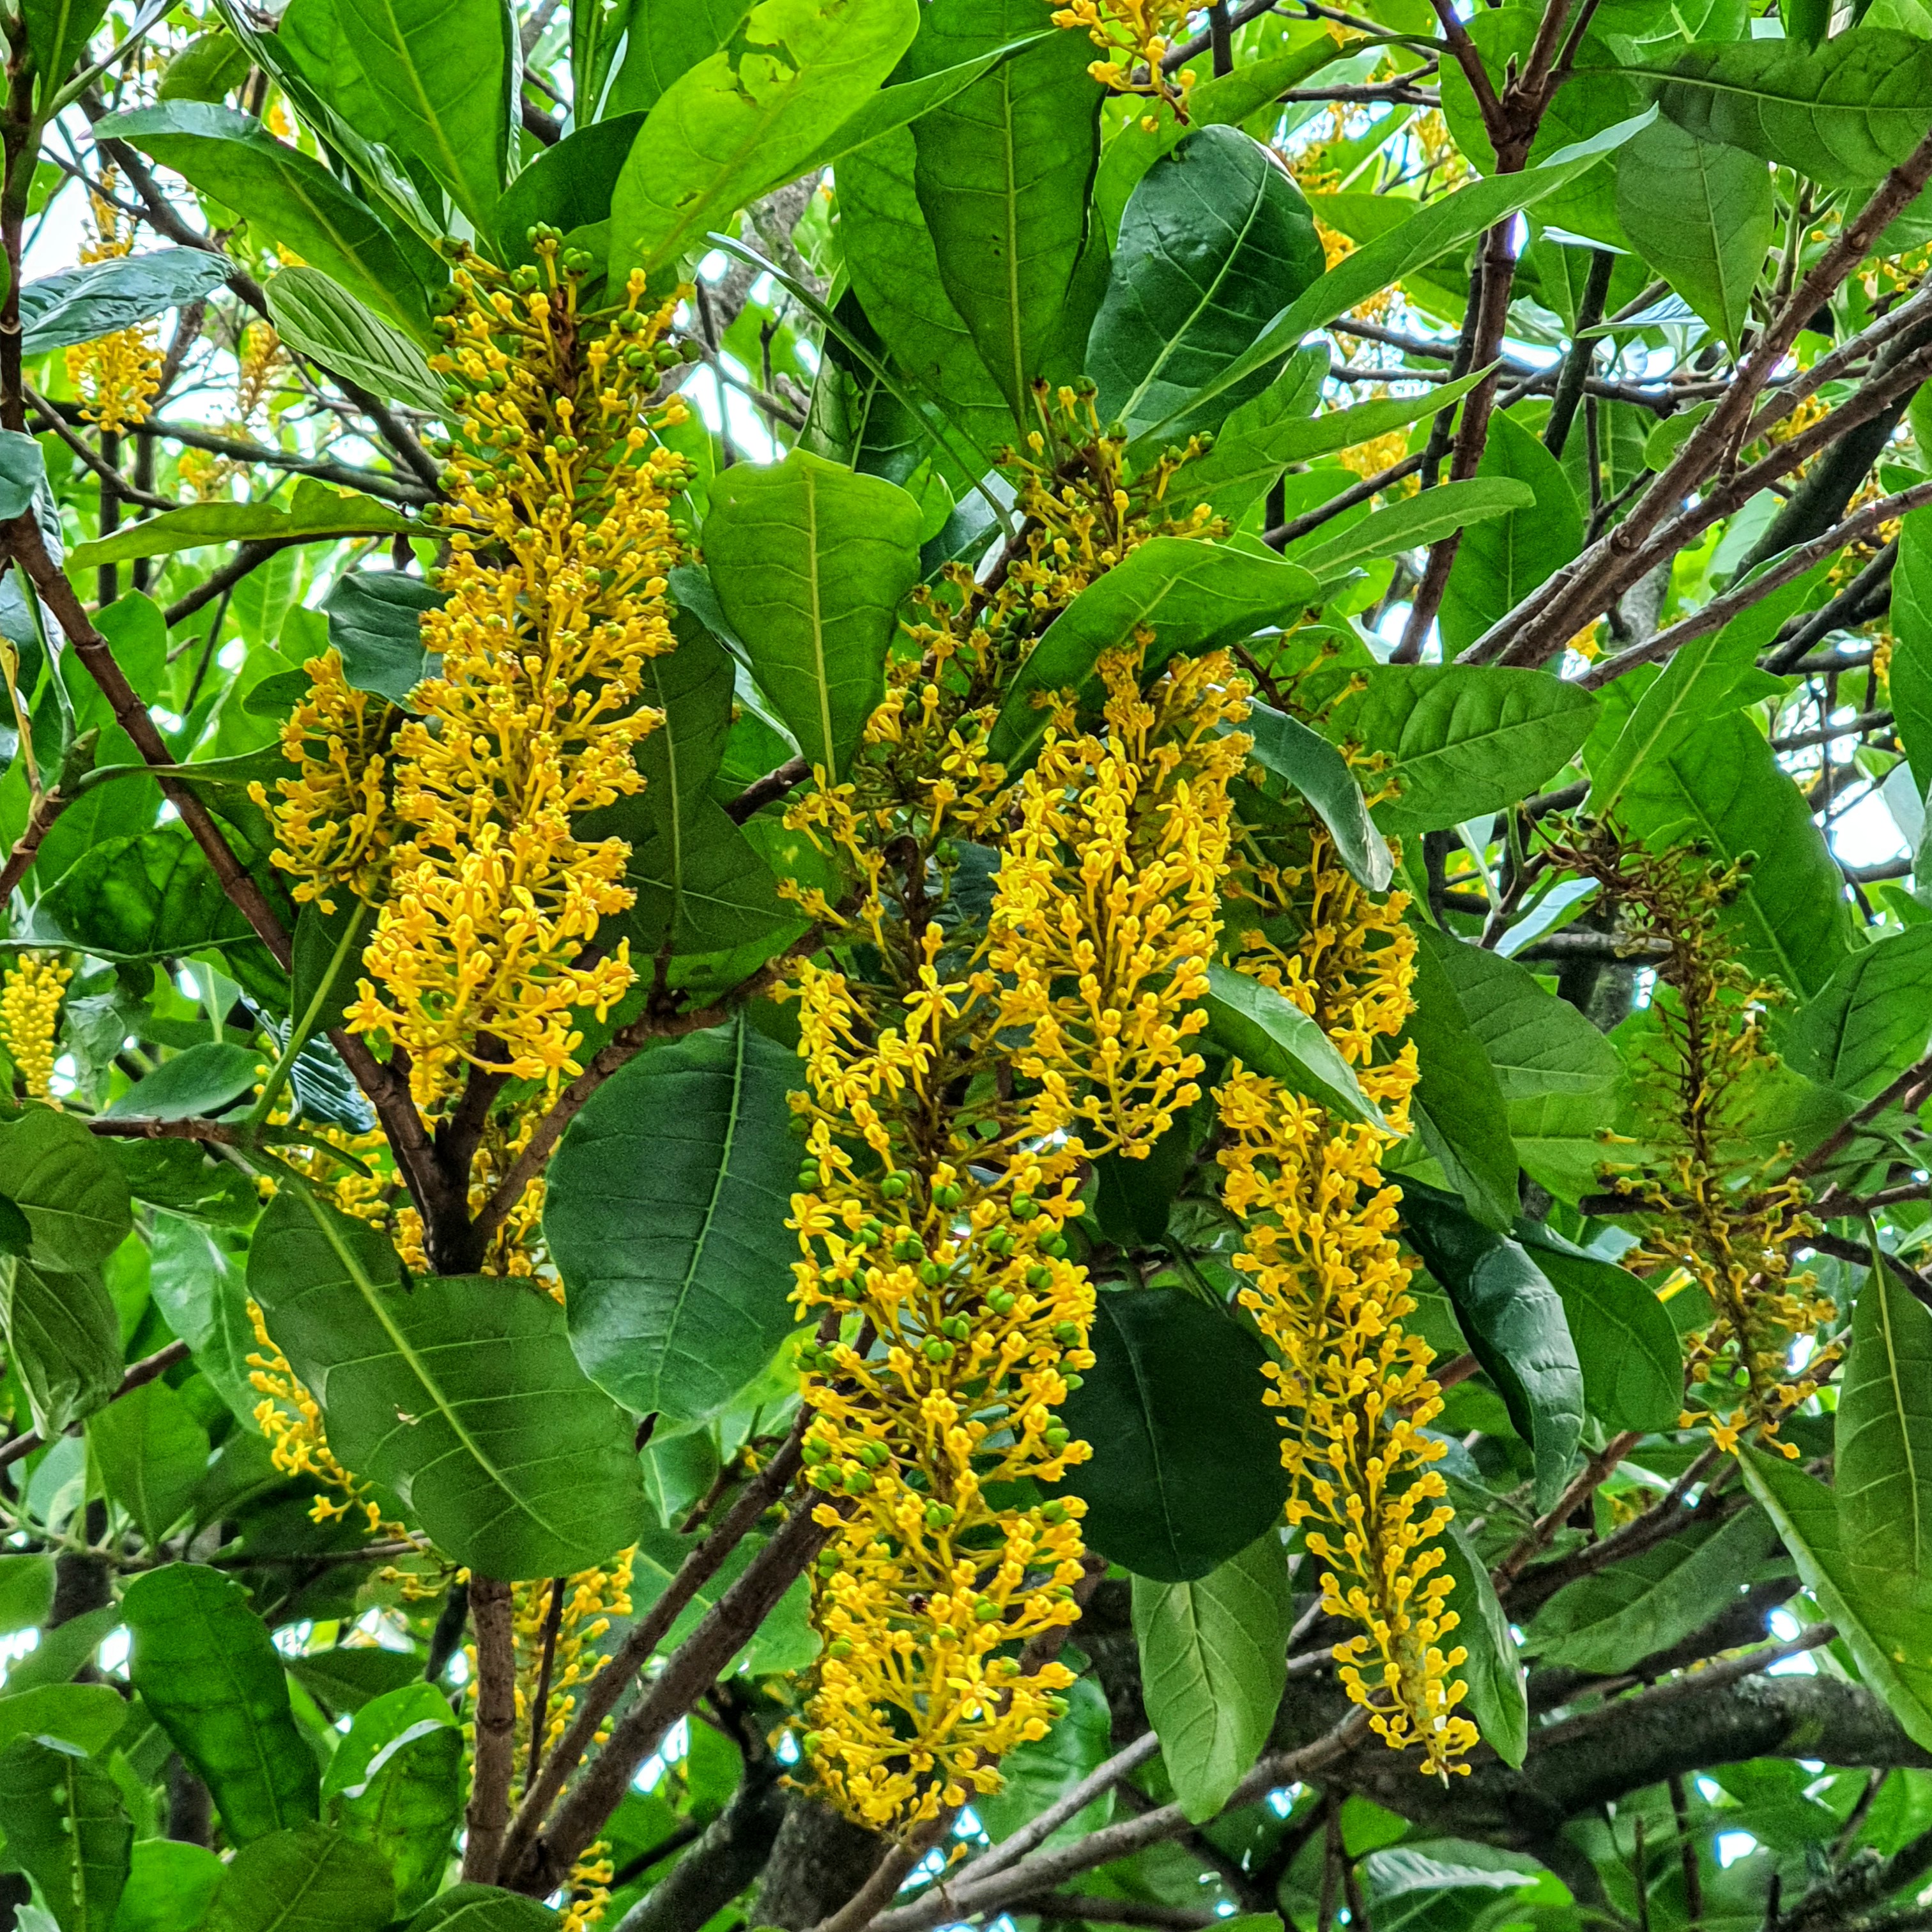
[
  {"x": 116, "y": 376},
  {"x": 30, "y": 1003}
]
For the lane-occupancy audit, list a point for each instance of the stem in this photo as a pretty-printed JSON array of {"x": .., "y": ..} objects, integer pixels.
[{"x": 488, "y": 1815}]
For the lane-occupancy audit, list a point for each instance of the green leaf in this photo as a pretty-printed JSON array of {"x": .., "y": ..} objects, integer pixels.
[
  {"x": 69, "y": 1185},
  {"x": 1557, "y": 1076},
  {"x": 1216, "y": 235},
  {"x": 22, "y": 470},
  {"x": 444, "y": 82},
  {"x": 375, "y": 624},
  {"x": 482, "y": 1908},
  {"x": 232, "y": 158},
  {"x": 809, "y": 563},
  {"x": 201, "y": 1080},
  {"x": 61, "y": 1652},
  {"x": 1631, "y": 1610},
  {"x": 1500, "y": 561},
  {"x": 1135, "y": 1197},
  {"x": 58, "y": 31},
  {"x": 63, "y": 1341},
  {"x": 26, "y": 1592},
  {"x": 1626, "y": 1341},
  {"x": 1843, "y": 113},
  {"x": 1870, "y": 1020},
  {"x": 1003, "y": 173},
  {"x": 568, "y": 186},
  {"x": 210, "y": 67},
  {"x": 1702, "y": 215},
  {"x": 1497, "y": 1701},
  {"x": 1041, "y": 1773},
  {"x": 170, "y": 1886},
  {"x": 79, "y": 305},
  {"x": 508, "y": 1457},
  {"x": 666, "y": 1212},
  {"x": 747, "y": 118},
  {"x": 1213, "y": 1654},
  {"x": 1883, "y": 1617},
  {"x": 1274, "y": 1036},
  {"x": 198, "y": 1287},
  {"x": 66, "y": 1829},
  {"x": 1514, "y": 1323},
  {"x": 1723, "y": 785},
  {"x": 321, "y": 318},
  {"x": 308, "y": 1880},
  {"x": 1190, "y": 594},
  {"x": 152, "y": 1454},
  {"x": 1186, "y": 1469},
  {"x": 1910, "y": 679},
  {"x": 1464, "y": 739},
  {"x": 395, "y": 1784},
  {"x": 1447, "y": 223},
  {"x": 1414, "y": 521},
  {"x": 343, "y": 1680},
  {"x": 327, "y": 956},
  {"x": 208, "y": 1670},
  {"x": 315, "y": 514},
  {"x": 1883, "y": 1467},
  {"x": 88, "y": 1717},
  {"x": 1457, "y": 1104},
  {"x": 1306, "y": 760}
]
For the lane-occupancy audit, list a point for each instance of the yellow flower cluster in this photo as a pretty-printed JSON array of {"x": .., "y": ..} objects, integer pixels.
[
  {"x": 116, "y": 376},
  {"x": 30, "y": 1003},
  {"x": 259, "y": 361},
  {"x": 934, "y": 1207},
  {"x": 1135, "y": 36},
  {"x": 560, "y": 537},
  {"x": 591, "y": 1599},
  {"x": 334, "y": 823},
  {"x": 1329, "y": 1289},
  {"x": 1726, "y": 1219}
]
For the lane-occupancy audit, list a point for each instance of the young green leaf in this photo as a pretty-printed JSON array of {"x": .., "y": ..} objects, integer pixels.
[
  {"x": 67, "y": 1828},
  {"x": 1274, "y": 1036},
  {"x": 1304, "y": 759},
  {"x": 306, "y": 1877},
  {"x": 395, "y": 1784},
  {"x": 1497, "y": 1701},
  {"x": 1884, "y": 1431},
  {"x": 152, "y": 1454}
]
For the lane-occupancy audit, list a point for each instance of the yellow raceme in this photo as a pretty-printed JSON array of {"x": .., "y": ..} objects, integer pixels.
[{"x": 30, "y": 1004}]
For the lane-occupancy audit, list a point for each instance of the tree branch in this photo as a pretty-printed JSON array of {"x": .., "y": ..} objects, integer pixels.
[{"x": 488, "y": 1814}]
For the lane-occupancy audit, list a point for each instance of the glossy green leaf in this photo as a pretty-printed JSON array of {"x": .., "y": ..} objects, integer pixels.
[
  {"x": 208, "y": 1670},
  {"x": 458, "y": 1394},
  {"x": 170, "y": 1886},
  {"x": 197, "y": 1284},
  {"x": 1187, "y": 1471},
  {"x": 395, "y": 1784},
  {"x": 1609, "y": 1622},
  {"x": 1910, "y": 679},
  {"x": 1501, "y": 561},
  {"x": 1041, "y": 1772},
  {"x": 152, "y": 1454},
  {"x": 1883, "y": 1467},
  {"x": 1843, "y": 113},
  {"x": 327, "y": 958},
  {"x": 746, "y": 118},
  {"x": 1498, "y": 1702},
  {"x": 66, "y": 1827},
  {"x": 210, "y": 67},
  {"x": 482, "y": 1908},
  {"x": 375, "y": 624},
  {"x": 666, "y": 1214},
  {"x": 344, "y": 1679},
  {"x": 809, "y": 563},
  {"x": 1190, "y": 595},
  {"x": 1304, "y": 759},
  {"x": 1213, "y": 1655},
  {"x": 86, "y": 1716},
  {"x": 79, "y": 305},
  {"x": 69, "y": 1186},
  {"x": 322, "y": 319},
  {"x": 1274, "y": 1036},
  {"x": 308, "y": 1880},
  {"x": 315, "y": 514},
  {"x": 1464, "y": 739},
  {"x": 26, "y": 1592},
  {"x": 1457, "y": 1104},
  {"x": 234, "y": 158},
  {"x": 1870, "y": 1021},
  {"x": 1003, "y": 171},
  {"x": 58, "y": 31},
  {"x": 1723, "y": 785},
  {"x": 1514, "y": 1322},
  {"x": 1410, "y": 523},
  {"x": 1633, "y": 1362},
  {"x": 23, "y": 469},
  {"x": 1702, "y": 215},
  {"x": 201, "y": 1080},
  {"x": 1558, "y": 1076},
  {"x": 63, "y": 1340},
  {"x": 1883, "y": 1615},
  {"x": 1216, "y": 235}
]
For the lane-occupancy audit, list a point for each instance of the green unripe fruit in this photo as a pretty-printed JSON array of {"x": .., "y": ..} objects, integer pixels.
[
  {"x": 841, "y": 1648},
  {"x": 937, "y": 1351},
  {"x": 908, "y": 1248},
  {"x": 1001, "y": 1303},
  {"x": 857, "y": 1482},
  {"x": 1067, "y": 1332},
  {"x": 815, "y": 1452},
  {"x": 1074, "y": 1382},
  {"x": 1038, "y": 1277},
  {"x": 1057, "y": 1439},
  {"x": 1025, "y": 1207},
  {"x": 808, "y": 1178},
  {"x": 893, "y": 1186},
  {"x": 1054, "y": 1245},
  {"x": 948, "y": 1196},
  {"x": 938, "y": 1515},
  {"x": 957, "y": 1327},
  {"x": 875, "y": 1455},
  {"x": 1053, "y": 1512},
  {"x": 988, "y": 1613},
  {"x": 932, "y": 1274}
]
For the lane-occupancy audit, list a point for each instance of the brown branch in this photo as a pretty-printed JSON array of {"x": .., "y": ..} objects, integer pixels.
[
  {"x": 775, "y": 784},
  {"x": 27, "y": 848},
  {"x": 143, "y": 1371},
  {"x": 488, "y": 1815},
  {"x": 250, "y": 555},
  {"x": 1546, "y": 1526}
]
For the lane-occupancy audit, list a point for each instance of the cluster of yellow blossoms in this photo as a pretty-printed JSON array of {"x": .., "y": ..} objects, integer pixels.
[
  {"x": 1727, "y": 1220},
  {"x": 934, "y": 1207},
  {"x": 30, "y": 1003},
  {"x": 582, "y": 1614},
  {"x": 560, "y": 537},
  {"x": 117, "y": 375},
  {"x": 1329, "y": 1289},
  {"x": 1134, "y": 35}
]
